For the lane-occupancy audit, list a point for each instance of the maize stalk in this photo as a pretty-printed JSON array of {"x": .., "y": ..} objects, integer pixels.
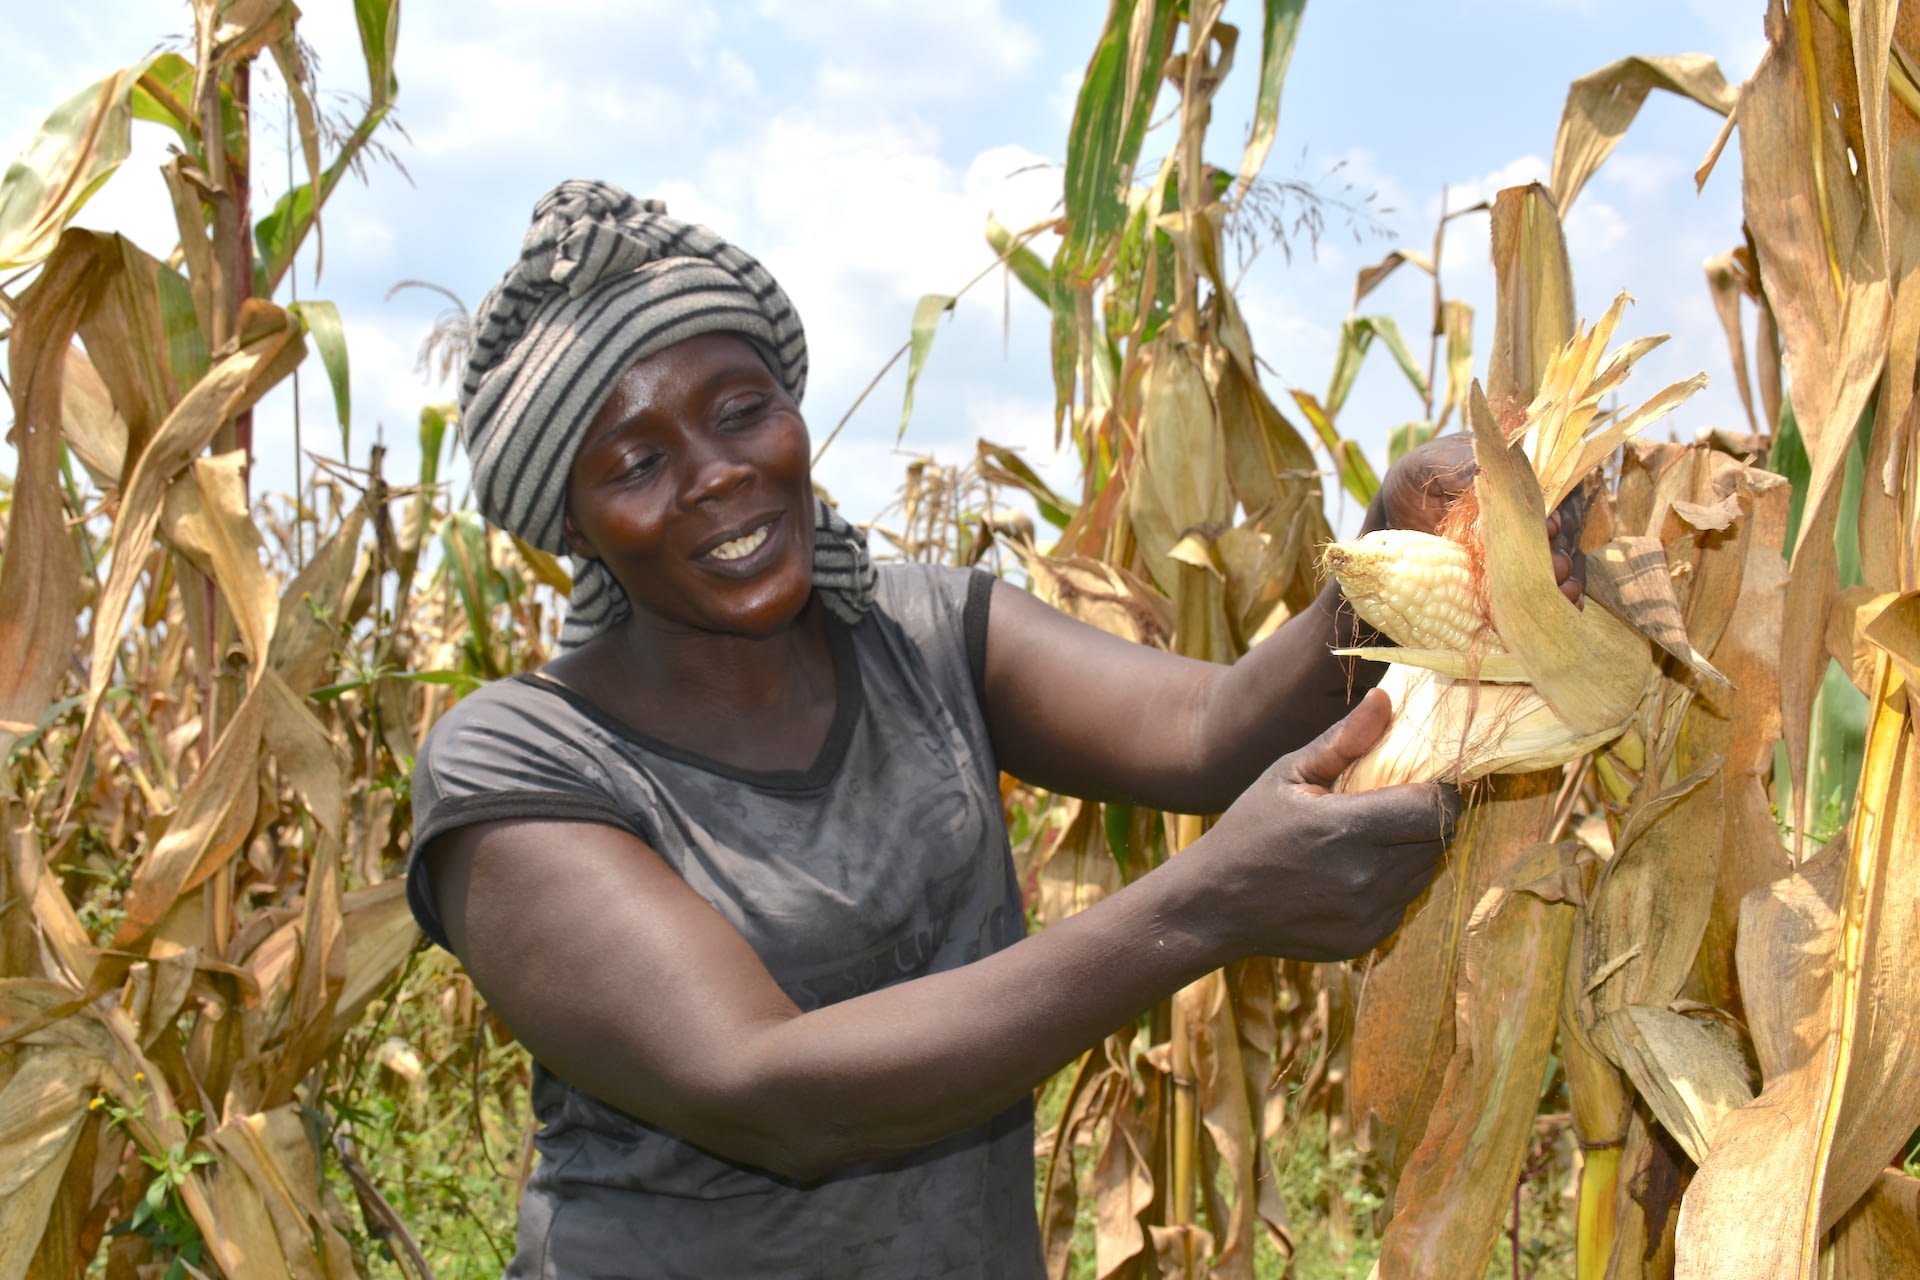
[{"x": 1495, "y": 671}]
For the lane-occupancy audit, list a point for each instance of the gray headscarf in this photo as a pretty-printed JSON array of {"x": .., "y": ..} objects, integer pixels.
[{"x": 605, "y": 280}]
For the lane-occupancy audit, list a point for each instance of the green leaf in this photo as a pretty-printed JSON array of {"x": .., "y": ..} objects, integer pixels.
[
  {"x": 1066, "y": 341},
  {"x": 434, "y": 421},
  {"x": 1407, "y": 437},
  {"x": 926, "y": 316},
  {"x": 322, "y": 320},
  {"x": 1788, "y": 457},
  {"x": 463, "y": 537},
  {"x": 1839, "y": 723},
  {"x": 278, "y": 235},
  {"x": 1279, "y": 32},
  {"x": 1023, "y": 262},
  {"x": 187, "y": 353},
  {"x": 379, "y": 23},
  {"x": 1356, "y": 338},
  {"x": 79, "y": 146},
  {"x": 1109, "y": 122},
  {"x": 163, "y": 94},
  {"x": 1004, "y": 465},
  {"x": 1356, "y": 473},
  {"x": 460, "y": 680}
]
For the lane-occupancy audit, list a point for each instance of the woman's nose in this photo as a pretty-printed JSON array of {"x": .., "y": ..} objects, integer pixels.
[{"x": 715, "y": 472}]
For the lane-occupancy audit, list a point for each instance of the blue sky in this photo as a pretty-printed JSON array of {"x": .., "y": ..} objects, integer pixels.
[{"x": 858, "y": 145}]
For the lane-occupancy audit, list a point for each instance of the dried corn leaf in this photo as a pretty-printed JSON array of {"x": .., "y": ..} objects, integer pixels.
[
  {"x": 43, "y": 1108},
  {"x": 306, "y": 753},
  {"x": 1223, "y": 1090},
  {"x": 1100, "y": 595},
  {"x": 1895, "y": 627},
  {"x": 1825, "y": 279},
  {"x": 1123, "y": 1188},
  {"x": 93, "y": 428},
  {"x": 1747, "y": 651},
  {"x": 1588, "y": 665},
  {"x": 206, "y": 518},
  {"x": 143, "y": 337},
  {"x": 379, "y": 934},
  {"x": 1181, "y": 478},
  {"x": 1404, "y": 1026},
  {"x": 1601, "y": 105},
  {"x": 270, "y": 346},
  {"x": 1880, "y": 1236},
  {"x": 1452, "y": 1197},
  {"x": 1725, "y": 284},
  {"x": 1534, "y": 311},
  {"x": 1690, "y": 1075},
  {"x": 309, "y": 620},
  {"x": 69, "y": 954},
  {"x": 1831, "y": 997},
  {"x": 266, "y": 1208},
  {"x": 40, "y": 573},
  {"x": 215, "y": 816}
]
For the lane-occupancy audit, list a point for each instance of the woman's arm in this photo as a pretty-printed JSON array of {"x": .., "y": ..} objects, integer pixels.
[
  {"x": 1079, "y": 711},
  {"x": 625, "y": 982},
  {"x": 1076, "y": 710}
]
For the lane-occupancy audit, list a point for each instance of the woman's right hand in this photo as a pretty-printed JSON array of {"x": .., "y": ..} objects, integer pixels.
[{"x": 1313, "y": 875}]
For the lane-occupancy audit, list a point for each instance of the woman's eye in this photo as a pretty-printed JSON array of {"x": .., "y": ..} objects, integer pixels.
[
  {"x": 739, "y": 410},
  {"x": 644, "y": 465}
]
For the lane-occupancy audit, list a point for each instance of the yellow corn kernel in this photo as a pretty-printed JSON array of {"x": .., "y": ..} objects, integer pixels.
[{"x": 1417, "y": 588}]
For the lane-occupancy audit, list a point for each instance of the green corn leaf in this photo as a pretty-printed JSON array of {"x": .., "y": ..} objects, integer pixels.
[
  {"x": 1356, "y": 473},
  {"x": 379, "y": 23},
  {"x": 1356, "y": 338},
  {"x": 1003, "y": 464},
  {"x": 1407, "y": 437},
  {"x": 330, "y": 338},
  {"x": 1023, "y": 262},
  {"x": 1109, "y": 122},
  {"x": 79, "y": 146},
  {"x": 1278, "y": 34},
  {"x": 926, "y": 318},
  {"x": 434, "y": 421}
]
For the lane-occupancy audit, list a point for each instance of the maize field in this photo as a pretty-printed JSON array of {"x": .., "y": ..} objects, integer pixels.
[{"x": 1668, "y": 959}]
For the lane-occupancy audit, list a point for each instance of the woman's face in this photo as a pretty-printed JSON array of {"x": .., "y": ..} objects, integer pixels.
[{"x": 693, "y": 486}]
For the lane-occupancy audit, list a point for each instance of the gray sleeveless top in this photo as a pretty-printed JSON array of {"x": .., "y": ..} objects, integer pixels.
[{"x": 884, "y": 861}]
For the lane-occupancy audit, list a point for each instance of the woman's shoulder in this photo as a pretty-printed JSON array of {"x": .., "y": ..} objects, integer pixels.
[
  {"x": 930, "y": 595},
  {"x": 504, "y": 712},
  {"x": 941, "y": 610}
]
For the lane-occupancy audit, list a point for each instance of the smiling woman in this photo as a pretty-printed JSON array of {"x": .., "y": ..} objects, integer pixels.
[{"x": 734, "y": 866}]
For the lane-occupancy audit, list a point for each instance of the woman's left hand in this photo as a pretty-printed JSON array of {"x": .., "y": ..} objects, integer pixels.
[{"x": 1420, "y": 487}]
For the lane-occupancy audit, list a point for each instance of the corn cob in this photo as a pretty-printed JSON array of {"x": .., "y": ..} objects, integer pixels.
[
  {"x": 1568, "y": 680},
  {"x": 1416, "y": 588}
]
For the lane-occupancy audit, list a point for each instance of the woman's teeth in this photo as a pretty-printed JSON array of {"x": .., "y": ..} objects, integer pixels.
[{"x": 743, "y": 546}]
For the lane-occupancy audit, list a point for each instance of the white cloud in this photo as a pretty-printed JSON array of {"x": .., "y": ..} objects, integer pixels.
[
  {"x": 1644, "y": 176},
  {"x": 902, "y": 51},
  {"x": 1594, "y": 226},
  {"x": 1516, "y": 172}
]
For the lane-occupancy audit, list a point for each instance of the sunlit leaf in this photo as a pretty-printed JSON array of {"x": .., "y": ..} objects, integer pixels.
[
  {"x": 322, "y": 321},
  {"x": 1279, "y": 29},
  {"x": 1023, "y": 263},
  {"x": 1601, "y": 106},
  {"x": 926, "y": 318},
  {"x": 75, "y": 151},
  {"x": 1534, "y": 315}
]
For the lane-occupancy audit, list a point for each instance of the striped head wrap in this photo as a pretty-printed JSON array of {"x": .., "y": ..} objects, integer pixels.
[{"x": 603, "y": 281}]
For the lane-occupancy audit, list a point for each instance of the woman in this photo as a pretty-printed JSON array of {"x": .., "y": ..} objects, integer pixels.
[{"x": 734, "y": 867}]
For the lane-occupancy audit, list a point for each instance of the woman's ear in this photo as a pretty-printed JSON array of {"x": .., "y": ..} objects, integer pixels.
[{"x": 576, "y": 541}]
